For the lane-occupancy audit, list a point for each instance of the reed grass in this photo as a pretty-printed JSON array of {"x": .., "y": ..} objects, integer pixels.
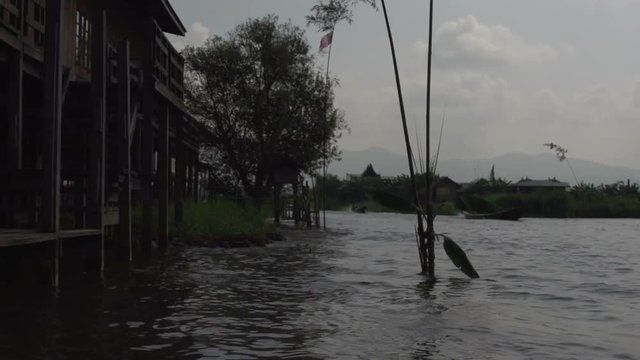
[
  {"x": 223, "y": 219},
  {"x": 215, "y": 223}
]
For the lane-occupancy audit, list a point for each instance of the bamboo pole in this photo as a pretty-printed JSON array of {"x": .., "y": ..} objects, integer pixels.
[
  {"x": 430, "y": 172},
  {"x": 422, "y": 247}
]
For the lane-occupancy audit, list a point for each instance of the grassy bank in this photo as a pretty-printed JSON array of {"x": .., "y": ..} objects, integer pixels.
[
  {"x": 220, "y": 224},
  {"x": 562, "y": 204}
]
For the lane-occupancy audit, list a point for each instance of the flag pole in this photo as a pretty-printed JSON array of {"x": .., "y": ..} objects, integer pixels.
[{"x": 325, "y": 129}]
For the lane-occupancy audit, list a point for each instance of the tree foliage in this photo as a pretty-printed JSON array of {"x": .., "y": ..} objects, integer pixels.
[
  {"x": 326, "y": 14},
  {"x": 259, "y": 92}
]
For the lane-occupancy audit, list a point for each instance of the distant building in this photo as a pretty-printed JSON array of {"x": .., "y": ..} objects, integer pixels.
[
  {"x": 445, "y": 189},
  {"x": 369, "y": 172},
  {"x": 527, "y": 185}
]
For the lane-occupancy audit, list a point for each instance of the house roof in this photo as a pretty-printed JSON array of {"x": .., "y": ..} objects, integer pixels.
[
  {"x": 444, "y": 180},
  {"x": 166, "y": 17},
  {"x": 369, "y": 172},
  {"x": 550, "y": 183}
]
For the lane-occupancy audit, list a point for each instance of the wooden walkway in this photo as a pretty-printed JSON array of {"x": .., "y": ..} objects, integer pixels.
[{"x": 18, "y": 237}]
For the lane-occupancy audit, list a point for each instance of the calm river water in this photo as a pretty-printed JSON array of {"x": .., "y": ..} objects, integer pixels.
[{"x": 549, "y": 289}]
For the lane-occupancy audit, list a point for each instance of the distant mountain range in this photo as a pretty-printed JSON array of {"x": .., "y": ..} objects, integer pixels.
[{"x": 513, "y": 166}]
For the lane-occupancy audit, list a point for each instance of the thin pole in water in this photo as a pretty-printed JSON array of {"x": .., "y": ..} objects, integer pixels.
[
  {"x": 407, "y": 141},
  {"x": 326, "y": 144},
  {"x": 430, "y": 173}
]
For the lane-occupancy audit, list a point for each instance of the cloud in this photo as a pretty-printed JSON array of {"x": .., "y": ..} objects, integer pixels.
[
  {"x": 636, "y": 96},
  {"x": 470, "y": 89},
  {"x": 197, "y": 34},
  {"x": 467, "y": 42}
]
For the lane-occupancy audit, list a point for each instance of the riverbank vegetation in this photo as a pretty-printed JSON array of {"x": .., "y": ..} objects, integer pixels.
[
  {"x": 619, "y": 200},
  {"x": 378, "y": 194},
  {"x": 393, "y": 194},
  {"x": 223, "y": 223}
]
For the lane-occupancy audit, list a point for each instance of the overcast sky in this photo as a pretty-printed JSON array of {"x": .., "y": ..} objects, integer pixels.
[{"x": 512, "y": 74}]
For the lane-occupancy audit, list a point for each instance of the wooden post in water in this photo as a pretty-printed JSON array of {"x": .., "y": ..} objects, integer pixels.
[
  {"x": 189, "y": 177},
  {"x": 52, "y": 119},
  {"x": 148, "y": 107},
  {"x": 124, "y": 151},
  {"x": 163, "y": 177},
  {"x": 180, "y": 170},
  {"x": 276, "y": 203},
  {"x": 15, "y": 128},
  {"x": 97, "y": 160},
  {"x": 52, "y": 129},
  {"x": 296, "y": 202},
  {"x": 196, "y": 174}
]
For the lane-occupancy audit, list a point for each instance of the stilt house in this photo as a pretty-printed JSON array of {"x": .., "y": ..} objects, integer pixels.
[{"x": 92, "y": 119}]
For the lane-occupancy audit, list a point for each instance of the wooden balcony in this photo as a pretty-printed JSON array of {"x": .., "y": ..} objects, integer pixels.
[
  {"x": 22, "y": 23},
  {"x": 169, "y": 65},
  {"x": 22, "y": 27}
]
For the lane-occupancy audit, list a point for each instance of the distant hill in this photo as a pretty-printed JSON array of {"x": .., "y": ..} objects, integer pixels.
[{"x": 513, "y": 166}]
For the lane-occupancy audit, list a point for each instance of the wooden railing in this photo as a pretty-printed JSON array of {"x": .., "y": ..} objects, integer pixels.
[
  {"x": 34, "y": 29},
  {"x": 169, "y": 64},
  {"x": 10, "y": 16},
  {"x": 23, "y": 20}
]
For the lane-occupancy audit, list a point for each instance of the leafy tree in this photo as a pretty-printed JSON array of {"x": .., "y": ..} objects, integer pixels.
[
  {"x": 561, "y": 154},
  {"x": 326, "y": 14},
  {"x": 259, "y": 92}
]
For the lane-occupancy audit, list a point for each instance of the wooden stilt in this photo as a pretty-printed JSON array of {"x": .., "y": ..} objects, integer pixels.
[
  {"x": 96, "y": 198},
  {"x": 276, "y": 204},
  {"x": 15, "y": 129},
  {"x": 189, "y": 177},
  {"x": 124, "y": 150},
  {"x": 52, "y": 119},
  {"x": 296, "y": 204},
  {"x": 79, "y": 203},
  {"x": 163, "y": 179},
  {"x": 147, "y": 140},
  {"x": 196, "y": 176},
  {"x": 55, "y": 276},
  {"x": 180, "y": 171}
]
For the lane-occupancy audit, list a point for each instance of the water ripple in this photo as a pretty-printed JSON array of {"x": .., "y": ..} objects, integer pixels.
[{"x": 550, "y": 289}]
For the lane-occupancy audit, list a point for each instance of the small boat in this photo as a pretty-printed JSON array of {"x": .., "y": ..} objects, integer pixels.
[
  {"x": 359, "y": 209},
  {"x": 510, "y": 214}
]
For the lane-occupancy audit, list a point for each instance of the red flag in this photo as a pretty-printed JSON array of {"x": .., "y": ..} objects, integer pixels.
[{"x": 326, "y": 41}]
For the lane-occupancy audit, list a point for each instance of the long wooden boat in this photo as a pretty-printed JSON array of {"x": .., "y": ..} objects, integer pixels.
[{"x": 510, "y": 214}]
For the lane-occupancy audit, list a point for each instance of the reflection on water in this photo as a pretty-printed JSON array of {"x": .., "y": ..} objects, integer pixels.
[{"x": 550, "y": 289}]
